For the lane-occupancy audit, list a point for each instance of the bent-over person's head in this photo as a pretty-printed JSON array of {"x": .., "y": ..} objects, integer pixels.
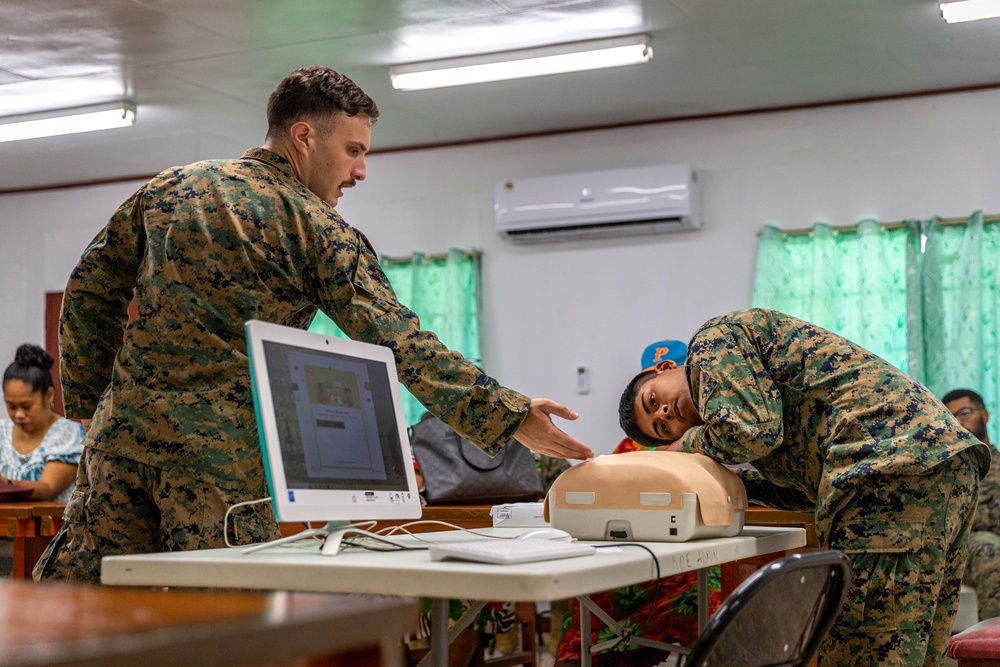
[{"x": 656, "y": 407}]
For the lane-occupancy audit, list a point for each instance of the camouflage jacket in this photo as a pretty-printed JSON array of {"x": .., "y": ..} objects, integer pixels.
[
  {"x": 815, "y": 414},
  {"x": 202, "y": 249}
]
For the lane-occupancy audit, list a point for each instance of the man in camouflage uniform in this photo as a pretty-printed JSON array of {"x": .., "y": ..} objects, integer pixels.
[
  {"x": 202, "y": 249},
  {"x": 833, "y": 429},
  {"x": 982, "y": 571}
]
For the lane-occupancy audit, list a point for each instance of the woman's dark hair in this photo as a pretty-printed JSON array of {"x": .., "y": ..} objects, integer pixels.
[
  {"x": 626, "y": 411},
  {"x": 317, "y": 93},
  {"x": 31, "y": 365}
]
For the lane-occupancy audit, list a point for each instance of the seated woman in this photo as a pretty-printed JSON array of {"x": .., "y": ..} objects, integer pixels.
[{"x": 39, "y": 449}]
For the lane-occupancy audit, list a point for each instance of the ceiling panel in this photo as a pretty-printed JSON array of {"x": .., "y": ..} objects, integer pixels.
[{"x": 201, "y": 71}]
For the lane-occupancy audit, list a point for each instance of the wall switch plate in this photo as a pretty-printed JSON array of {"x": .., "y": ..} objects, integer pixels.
[{"x": 582, "y": 379}]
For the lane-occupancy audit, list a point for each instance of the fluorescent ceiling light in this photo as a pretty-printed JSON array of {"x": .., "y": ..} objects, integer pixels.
[
  {"x": 575, "y": 57},
  {"x": 970, "y": 10},
  {"x": 69, "y": 121}
]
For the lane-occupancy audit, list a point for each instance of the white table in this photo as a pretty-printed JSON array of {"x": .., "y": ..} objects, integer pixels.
[{"x": 412, "y": 573}]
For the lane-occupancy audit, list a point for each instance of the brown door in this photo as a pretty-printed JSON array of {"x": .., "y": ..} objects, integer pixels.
[{"x": 53, "y": 306}]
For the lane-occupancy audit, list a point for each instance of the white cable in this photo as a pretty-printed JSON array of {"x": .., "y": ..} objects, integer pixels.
[
  {"x": 392, "y": 530},
  {"x": 225, "y": 520}
]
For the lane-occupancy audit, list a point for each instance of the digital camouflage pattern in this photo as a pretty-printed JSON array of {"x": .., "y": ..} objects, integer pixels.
[
  {"x": 123, "y": 506},
  {"x": 832, "y": 429},
  {"x": 202, "y": 249},
  {"x": 982, "y": 571},
  {"x": 817, "y": 415},
  {"x": 907, "y": 538}
]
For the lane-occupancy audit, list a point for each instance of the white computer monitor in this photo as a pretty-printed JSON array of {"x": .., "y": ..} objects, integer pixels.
[{"x": 331, "y": 427}]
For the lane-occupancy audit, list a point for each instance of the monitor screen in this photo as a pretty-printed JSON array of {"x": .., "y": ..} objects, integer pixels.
[{"x": 331, "y": 426}]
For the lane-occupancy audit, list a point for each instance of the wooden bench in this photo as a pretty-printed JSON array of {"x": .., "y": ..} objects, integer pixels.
[
  {"x": 29, "y": 525},
  {"x": 733, "y": 573}
]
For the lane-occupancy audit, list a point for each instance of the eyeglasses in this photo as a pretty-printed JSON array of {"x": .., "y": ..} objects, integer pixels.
[{"x": 965, "y": 412}]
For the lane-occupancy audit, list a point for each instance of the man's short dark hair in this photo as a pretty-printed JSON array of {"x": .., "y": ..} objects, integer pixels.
[
  {"x": 626, "y": 411},
  {"x": 956, "y": 394},
  {"x": 319, "y": 94}
]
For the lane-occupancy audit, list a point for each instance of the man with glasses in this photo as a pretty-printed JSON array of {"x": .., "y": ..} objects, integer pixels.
[{"x": 982, "y": 569}]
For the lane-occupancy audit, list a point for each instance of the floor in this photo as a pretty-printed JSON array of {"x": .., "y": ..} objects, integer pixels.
[
  {"x": 966, "y": 616},
  {"x": 545, "y": 658}
]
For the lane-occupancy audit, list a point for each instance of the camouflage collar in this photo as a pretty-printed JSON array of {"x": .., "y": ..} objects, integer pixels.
[
  {"x": 273, "y": 159},
  {"x": 693, "y": 374}
]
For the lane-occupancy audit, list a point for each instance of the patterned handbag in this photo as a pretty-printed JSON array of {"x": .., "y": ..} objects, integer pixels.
[{"x": 456, "y": 472}]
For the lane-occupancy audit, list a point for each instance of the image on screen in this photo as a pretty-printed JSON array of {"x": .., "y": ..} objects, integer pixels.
[{"x": 335, "y": 419}]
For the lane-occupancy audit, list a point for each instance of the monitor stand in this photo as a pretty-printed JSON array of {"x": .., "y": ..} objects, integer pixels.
[{"x": 333, "y": 533}]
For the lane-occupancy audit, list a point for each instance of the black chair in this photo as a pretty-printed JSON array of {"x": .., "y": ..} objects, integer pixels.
[{"x": 778, "y": 616}]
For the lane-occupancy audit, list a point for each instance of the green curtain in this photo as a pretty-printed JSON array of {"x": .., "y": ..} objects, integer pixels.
[
  {"x": 853, "y": 283},
  {"x": 958, "y": 309},
  {"x": 444, "y": 291},
  {"x": 923, "y": 295}
]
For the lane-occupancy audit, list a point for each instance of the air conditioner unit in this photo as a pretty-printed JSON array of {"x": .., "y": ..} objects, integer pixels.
[{"x": 612, "y": 202}]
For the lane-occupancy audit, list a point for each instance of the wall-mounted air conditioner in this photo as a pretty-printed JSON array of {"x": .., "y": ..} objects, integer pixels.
[{"x": 612, "y": 202}]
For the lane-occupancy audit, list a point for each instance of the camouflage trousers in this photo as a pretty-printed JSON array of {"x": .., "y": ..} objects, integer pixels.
[
  {"x": 907, "y": 538},
  {"x": 121, "y": 506},
  {"x": 982, "y": 572}
]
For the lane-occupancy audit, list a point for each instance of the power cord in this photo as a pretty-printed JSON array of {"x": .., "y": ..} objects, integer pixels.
[
  {"x": 225, "y": 520},
  {"x": 372, "y": 544},
  {"x": 404, "y": 528},
  {"x": 628, "y": 633}
]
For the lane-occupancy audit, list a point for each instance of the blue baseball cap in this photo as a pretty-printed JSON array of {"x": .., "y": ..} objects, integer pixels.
[{"x": 662, "y": 350}]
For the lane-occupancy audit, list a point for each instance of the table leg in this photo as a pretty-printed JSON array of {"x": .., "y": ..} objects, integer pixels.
[
  {"x": 28, "y": 546},
  {"x": 441, "y": 636},
  {"x": 585, "y": 660},
  {"x": 439, "y": 632},
  {"x": 702, "y": 599},
  {"x": 619, "y": 631}
]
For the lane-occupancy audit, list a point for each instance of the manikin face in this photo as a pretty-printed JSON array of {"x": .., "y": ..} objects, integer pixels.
[
  {"x": 663, "y": 406},
  {"x": 333, "y": 162},
  {"x": 972, "y": 417},
  {"x": 30, "y": 410}
]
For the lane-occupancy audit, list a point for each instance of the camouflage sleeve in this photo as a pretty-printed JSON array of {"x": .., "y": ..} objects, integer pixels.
[
  {"x": 453, "y": 389},
  {"x": 95, "y": 308},
  {"x": 988, "y": 511},
  {"x": 760, "y": 491},
  {"x": 734, "y": 395}
]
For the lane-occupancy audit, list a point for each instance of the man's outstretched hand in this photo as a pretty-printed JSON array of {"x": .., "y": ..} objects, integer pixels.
[{"x": 539, "y": 434}]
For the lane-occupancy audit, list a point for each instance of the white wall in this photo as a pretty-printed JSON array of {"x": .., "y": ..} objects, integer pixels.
[
  {"x": 41, "y": 237},
  {"x": 552, "y": 307}
]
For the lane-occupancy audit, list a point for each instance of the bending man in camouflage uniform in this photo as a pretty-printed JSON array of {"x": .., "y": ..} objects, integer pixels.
[
  {"x": 202, "y": 249},
  {"x": 982, "y": 571},
  {"x": 832, "y": 429}
]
